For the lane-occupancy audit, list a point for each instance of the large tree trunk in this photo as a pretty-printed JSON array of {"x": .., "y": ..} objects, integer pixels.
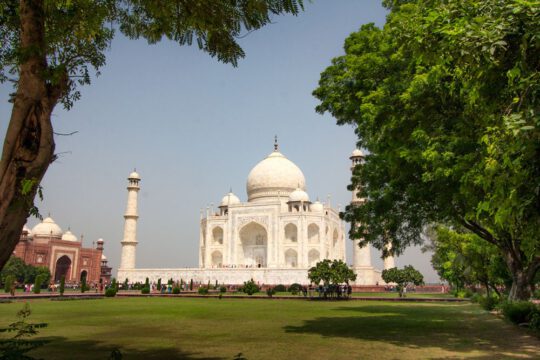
[
  {"x": 29, "y": 144},
  {"x": 522, "y": 276}
]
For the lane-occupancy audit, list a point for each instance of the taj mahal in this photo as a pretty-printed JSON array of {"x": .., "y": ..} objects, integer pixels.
[{"x": 273, "y": 238}]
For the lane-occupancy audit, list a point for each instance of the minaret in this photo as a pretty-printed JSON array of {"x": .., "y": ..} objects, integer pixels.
[
  {"x": 389, "y": 261},
  {"x": 361, "y": 256},
  {"x": 129, "y": 243}
]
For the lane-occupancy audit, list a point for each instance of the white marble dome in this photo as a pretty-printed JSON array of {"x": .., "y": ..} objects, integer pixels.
[
  {"x": 357, "y": 153},
  {"x": 103, "y": 257},
  {"x": 47, "y": 228},
  {"x": 68, "y": 236},
  {"x": 230, "y": 199},
  {"x": 317, "y": 206},
  {"x": 274, "y": 176},
  {"x": 299, "y": 195},
  {"x": 134, "y": 175}
]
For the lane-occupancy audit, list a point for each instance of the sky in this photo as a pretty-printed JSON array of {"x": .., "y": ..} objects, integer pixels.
[{"x": 193, "y": 128}]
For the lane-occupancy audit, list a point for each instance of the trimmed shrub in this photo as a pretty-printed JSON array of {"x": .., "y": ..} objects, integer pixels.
[
  {"x": 37, "y": 284},
  {"x": 110, "y": 292},
  {"x": 8, "y": 282},
  {"x": 222, "y": 289},
  {"x": 270, "y": 292},
  {"x": 176, "y": 290},
  {"x": 488, "y": 302},
  {"x": 280, "y": 288},
  {"x": 145, "y": 290},
  {"x": 250, "y": 287},
  {"x": 519, "y": 312},
  {"x": 203, "y": 290},
  {"x": 62, "y": 285},
  {"x": 295, "y": 288}
]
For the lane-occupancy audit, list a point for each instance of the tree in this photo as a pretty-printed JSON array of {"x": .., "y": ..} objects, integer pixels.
[
  {"x": 49, "y": 47},
  {"x": 331, "y": 272},
  {"x": 463, "y": 259},
  {"x": 403, "y": 277},
  {"x": 445, "y": 100},
  {"x": 16, "y": 268}
]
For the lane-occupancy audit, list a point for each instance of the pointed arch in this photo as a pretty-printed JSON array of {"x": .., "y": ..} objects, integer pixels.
[
  {"x": 291, "y": 258},
  {"x": 217, "y": 235},
  {"x": 313, "y": 234}
]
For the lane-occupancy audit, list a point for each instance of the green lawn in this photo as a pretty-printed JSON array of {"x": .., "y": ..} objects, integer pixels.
[{"x": 173, "y": 328}]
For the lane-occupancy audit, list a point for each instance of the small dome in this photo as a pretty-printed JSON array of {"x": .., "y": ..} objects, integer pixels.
[
  {"x": 100, "y": 241},
  {"x": 357, "y": 153},
  {"x": 68, "y": 236},
  {"x": 299, "y": 195},
  {"x": 230, "y": 199},
  {"x": 103, "y": 257},
  {"x": 274, "y": 176},
  {"x": 317, "y": 206},
  {"x": 28, "y": 231},
  {"x": 47, "y": 228},
  {"x": 134, "y": 175}
]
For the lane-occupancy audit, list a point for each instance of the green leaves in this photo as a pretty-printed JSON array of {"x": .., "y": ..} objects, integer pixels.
[{"x": 331, "y": 272}]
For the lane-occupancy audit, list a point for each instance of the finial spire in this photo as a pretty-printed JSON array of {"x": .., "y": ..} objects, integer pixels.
[{"x": 276, "y": 146}]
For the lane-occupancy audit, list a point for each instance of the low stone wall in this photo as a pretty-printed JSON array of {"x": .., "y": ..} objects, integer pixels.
[{"x": 234, "y": 276}]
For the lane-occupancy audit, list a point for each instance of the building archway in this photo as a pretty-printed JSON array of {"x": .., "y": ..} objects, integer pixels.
[
  {"x": 217, "y": 259},
  {"x": 62, "y": 268},
  {"x": 313, "y": 257},
  {"x": 291, "y": 258},
  {"x": 291, "y": 233},
  {"x": 217, "y": 235},
  {"x": 253, "y": 246},
  {"x": 313, "y": 234}
]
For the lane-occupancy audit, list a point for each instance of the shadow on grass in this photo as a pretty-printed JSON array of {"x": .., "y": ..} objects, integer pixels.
[
  {"x": 63, "y": 348},
  {"x": 455, "y": 329}
]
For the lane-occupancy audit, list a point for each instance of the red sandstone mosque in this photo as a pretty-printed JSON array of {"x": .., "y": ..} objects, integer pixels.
[{"x": 62, "y": 252}]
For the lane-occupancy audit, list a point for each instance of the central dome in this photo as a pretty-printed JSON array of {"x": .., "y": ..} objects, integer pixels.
[{"x": 274, "y": 176}]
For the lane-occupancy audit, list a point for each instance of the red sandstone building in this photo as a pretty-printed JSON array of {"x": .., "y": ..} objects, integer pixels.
[{"x": 63, "y": 254}]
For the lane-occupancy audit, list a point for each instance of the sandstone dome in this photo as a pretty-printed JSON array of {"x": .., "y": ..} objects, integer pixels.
[
  {"x": 68, "y": 236},
  {"x": 299, "y": 195},
  {"x": 47, "y": 228},
  {"x": 230, "y": 199},
  {"x": 274, "y": 176}
]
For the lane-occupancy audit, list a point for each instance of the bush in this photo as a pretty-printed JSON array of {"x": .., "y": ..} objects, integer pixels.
[
  {"x": 8, "y": 282},
  {"x": 295, "y": 288},
  {"x": 280, "y": 288},
  {"x": 520, "y": 312},
  {"x": 536, "y": 294},
  {"x": 250, "y": 287},
  {"x": 270, "y": 292},
  {"x": 222, "y": 289},
  {"x": 176, "y": 290},
  {"x": 37, "y": 284},
  {"x": 476, "y": 298},
  {"x": 110, "y": 292},
  {"x": 488, "y": 302},
  {"x": 203, "y": 290},
  {"x": 62, "y": 285},
  {"x": 145, "y": 290}
]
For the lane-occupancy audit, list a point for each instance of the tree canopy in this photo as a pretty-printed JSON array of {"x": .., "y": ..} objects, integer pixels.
[
  {"x": 445, "y": 99},
  {"x": 50, "y": 47},
  {"x": 331, "y": 272},
  {"x": 403, "y": 277}
]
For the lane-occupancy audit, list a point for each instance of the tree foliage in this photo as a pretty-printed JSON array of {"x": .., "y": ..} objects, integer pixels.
[
  {"x": 403, "y": 277},
  {"x": 445, "y": 98},
  {"x": 464, "y": 259},
  {"x": 24, "y": 273},
  {"x": 48, "y": 48},
  {"x": 331, "y": 272}
]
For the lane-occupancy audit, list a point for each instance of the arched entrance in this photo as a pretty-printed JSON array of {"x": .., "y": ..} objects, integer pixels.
[
  {"x": 62, "y": 268},
  {"x": 254, "y": 241},
  {"x": 84, "y": 275}
]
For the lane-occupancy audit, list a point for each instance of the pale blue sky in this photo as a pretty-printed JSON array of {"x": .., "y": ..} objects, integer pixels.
[{"x": 194, "y": 128}]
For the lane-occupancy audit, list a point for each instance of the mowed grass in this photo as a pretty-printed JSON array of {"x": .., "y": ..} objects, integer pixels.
[{"x": 182, "y": 328}]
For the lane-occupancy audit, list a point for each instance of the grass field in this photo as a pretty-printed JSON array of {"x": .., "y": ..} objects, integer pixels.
[{"x": 180, "y": 328}]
